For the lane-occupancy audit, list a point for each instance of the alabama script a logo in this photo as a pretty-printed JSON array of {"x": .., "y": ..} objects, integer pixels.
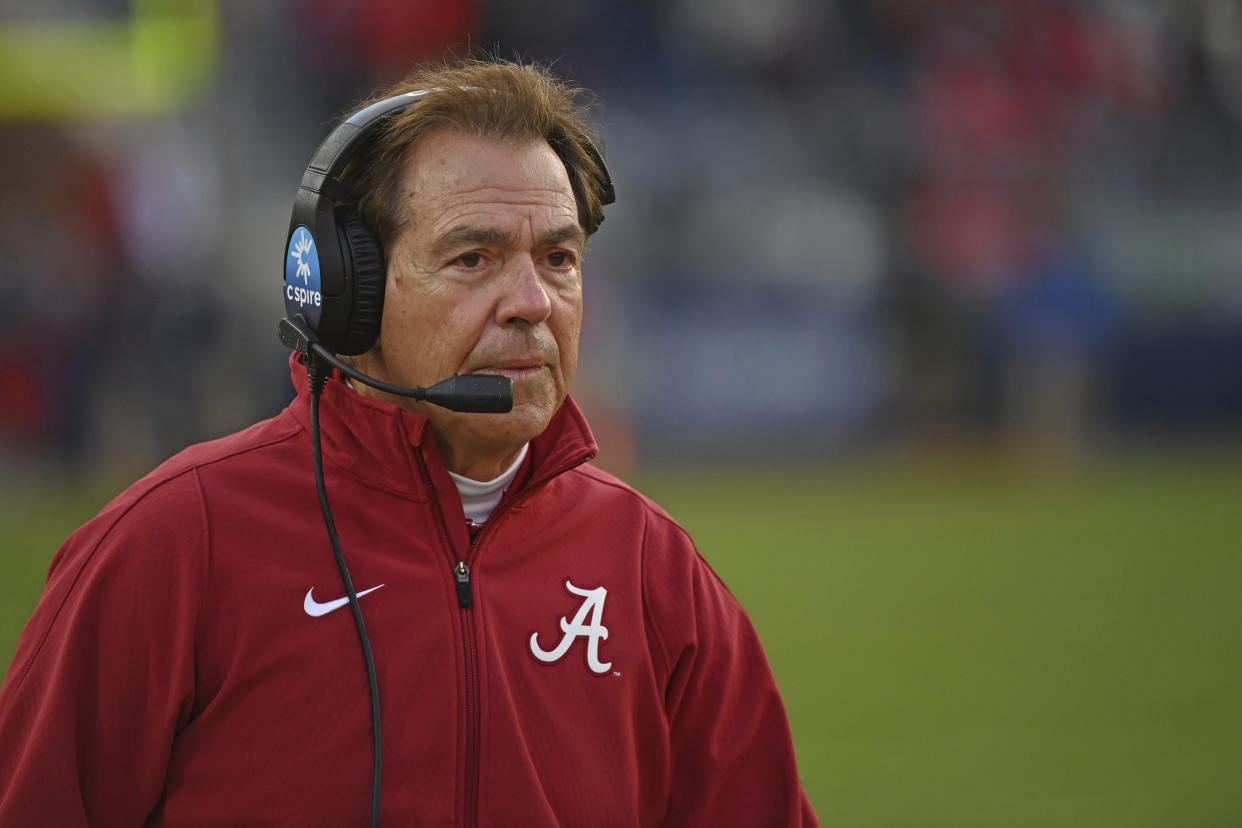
[{"x": 594, "y": 632}]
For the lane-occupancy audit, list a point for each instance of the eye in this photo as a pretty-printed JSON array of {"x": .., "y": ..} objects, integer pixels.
[
  {"x": 470, "y": 260},
  {"x": 560, "y": 258}
]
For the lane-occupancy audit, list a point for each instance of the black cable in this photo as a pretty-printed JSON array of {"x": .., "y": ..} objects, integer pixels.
[{"x": 317, "y": 370}]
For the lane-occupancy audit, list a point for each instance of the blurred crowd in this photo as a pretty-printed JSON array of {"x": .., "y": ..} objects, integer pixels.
[{"x": 839, "y": 223}]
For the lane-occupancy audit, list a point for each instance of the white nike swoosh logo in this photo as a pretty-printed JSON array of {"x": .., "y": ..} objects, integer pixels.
[{"x": 315, "y": 609}]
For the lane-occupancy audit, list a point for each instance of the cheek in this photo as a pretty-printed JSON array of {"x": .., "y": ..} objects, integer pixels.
[
  {"x": 404, "y": 315},
  {"x": 423, "y": 328},
  {"x": 567, "y": 329}
]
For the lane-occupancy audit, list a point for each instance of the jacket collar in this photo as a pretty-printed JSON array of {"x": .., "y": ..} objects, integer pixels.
[{"x": 381, "y": 445}]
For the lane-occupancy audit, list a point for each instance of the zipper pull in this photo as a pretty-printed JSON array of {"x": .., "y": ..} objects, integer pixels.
[{"x": 465, "y": 596}]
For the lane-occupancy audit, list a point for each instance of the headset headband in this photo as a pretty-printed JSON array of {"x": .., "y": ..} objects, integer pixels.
[{"x": 323, "y": 172}]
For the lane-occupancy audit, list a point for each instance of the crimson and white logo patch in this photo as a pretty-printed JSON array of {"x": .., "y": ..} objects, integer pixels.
[{"x": 594, "y": 632}]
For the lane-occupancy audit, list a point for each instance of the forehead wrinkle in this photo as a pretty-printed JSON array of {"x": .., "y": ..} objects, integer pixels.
[
  {"x": 524, "y": 187},
  {"x": 471, "y": 235},
  {"x": 505, "y": 196},
  {"x": 467, "y": 234},
  {"x": 481, "y": 198}
]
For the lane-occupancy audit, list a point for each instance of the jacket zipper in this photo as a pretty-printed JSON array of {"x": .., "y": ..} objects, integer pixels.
[
  {"x": 465, "y": 595},
  {"x": 465, "y": 602}
]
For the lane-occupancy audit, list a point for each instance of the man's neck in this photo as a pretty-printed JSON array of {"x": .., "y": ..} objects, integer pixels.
[
  {"x": 481, "y": 466},
  {"x": 480, "y": 498}
]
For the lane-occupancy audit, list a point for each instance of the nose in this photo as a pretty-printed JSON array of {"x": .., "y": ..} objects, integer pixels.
[{"x": 524, "y": 298}]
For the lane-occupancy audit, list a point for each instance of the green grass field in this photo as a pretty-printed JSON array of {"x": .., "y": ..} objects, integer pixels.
[{"x": 960, "y": 642}]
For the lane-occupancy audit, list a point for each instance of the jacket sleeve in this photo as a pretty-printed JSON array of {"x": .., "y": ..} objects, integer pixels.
[
  {"x": 732, "y": 753},
  {"x": 104, "y": 671}
]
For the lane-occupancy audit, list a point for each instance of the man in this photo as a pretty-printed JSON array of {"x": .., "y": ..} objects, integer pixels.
[{"x": 549, "y": 647}]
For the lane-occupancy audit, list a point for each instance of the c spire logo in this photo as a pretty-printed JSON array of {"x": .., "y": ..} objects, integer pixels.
[
  {"x": 594, "y": 632},
  {"x": 302, "y": 264},
  {"x": 304, "y": 245}
]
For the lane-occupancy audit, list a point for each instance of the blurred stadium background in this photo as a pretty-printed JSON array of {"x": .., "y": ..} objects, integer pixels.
[{"x": 925, "y": 316}]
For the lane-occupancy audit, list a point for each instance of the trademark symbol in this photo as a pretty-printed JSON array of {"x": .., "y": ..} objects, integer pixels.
[{"x": 615, "y": 673}]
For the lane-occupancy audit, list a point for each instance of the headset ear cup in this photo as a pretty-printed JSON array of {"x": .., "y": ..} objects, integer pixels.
[{"x": 367, "y": 265}]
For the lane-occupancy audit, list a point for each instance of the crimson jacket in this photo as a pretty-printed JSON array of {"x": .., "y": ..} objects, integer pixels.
[{"x": 182, "y": 669}]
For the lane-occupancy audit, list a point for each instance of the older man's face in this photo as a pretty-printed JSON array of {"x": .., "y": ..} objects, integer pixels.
[{"x": 484, "y": 278}]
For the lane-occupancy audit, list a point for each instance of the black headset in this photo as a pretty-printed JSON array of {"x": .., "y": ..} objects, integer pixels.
[{"x": 334, "y": 264}]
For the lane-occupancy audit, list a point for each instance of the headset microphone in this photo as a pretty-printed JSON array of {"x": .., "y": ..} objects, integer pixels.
[{"x": 476, "y": 393}]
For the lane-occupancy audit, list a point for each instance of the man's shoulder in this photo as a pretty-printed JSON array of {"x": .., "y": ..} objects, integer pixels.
[
  {"x": 617, "y": 492},
  {"x": 239, "y": 450},
  {"x": 174, "y": 488}
]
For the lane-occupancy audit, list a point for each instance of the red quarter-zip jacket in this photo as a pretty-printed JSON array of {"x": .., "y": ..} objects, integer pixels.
[{"x": 185, "y": 666}]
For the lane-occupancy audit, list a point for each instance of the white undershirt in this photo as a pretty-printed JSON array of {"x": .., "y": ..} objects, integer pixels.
[{"x": 479, "y": 499}]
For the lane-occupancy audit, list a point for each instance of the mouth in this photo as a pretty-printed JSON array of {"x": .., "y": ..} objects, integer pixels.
[{"x": 516, "y": 369}]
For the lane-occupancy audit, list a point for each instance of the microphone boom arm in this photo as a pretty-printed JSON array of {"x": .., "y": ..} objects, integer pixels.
[{"x": 474, "y": 393}]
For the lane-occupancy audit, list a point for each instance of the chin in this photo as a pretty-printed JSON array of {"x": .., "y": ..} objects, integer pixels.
[{"x": 525, "y": 422}]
